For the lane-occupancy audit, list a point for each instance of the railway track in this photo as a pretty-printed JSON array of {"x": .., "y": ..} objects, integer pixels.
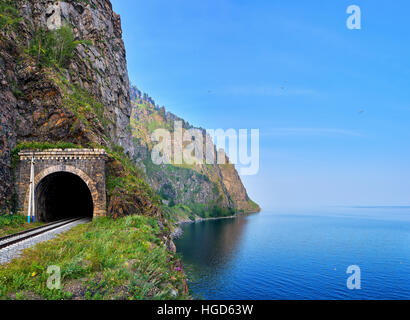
[{"x": 11, "y": 245}]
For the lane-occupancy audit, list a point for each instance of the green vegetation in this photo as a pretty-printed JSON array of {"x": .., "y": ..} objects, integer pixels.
[
  {"x": 86, "y": 2},
  {"x": 155, "y": 124},
  {"x": 10, "y": 224},
  {"x": 83, "y": 104},
  {"x": 127, "y": 190},
  {"x": 54, "y": 47},
  {"x": 130, "y": 171},
  {"x": 106, "y": 259},
  {"x": 182, "y": 197},
  {"x": 9, "y": 16},
  {"x": 179, "y": 213},
  {"x": 253, "y": 206},
  {"x": 195, "y": 210},
  {"x": 120, "y": 258},
  {"x": 44, "y": 146},
  {"x": 217, "y": 211},
  {"x": 86, "y": 108},
  {"x": 166, "y": 189}
]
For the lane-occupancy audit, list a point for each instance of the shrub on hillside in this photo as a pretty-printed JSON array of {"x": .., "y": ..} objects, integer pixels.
[
  {"x": 9, "y": 16},
  {"x": 54, "y": 47}
]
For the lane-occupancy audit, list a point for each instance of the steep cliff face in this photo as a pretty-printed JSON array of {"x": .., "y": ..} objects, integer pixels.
[
  {"x": 8, "y": 104},
  {"x": 64, "y": 82},
  {"x": 87, "y": 102},
  {"x": 100, "y": 67},
  {"x": 210, "y": 190}
]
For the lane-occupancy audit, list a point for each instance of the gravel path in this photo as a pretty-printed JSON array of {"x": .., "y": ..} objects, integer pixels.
[{"x": 15, "y": 251}]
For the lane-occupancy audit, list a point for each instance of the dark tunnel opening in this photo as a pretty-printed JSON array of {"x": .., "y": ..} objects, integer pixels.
[{"x": 63, "y": 195}]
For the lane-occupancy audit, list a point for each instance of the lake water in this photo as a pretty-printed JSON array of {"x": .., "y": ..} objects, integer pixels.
[{"x": 278, "y": 255}]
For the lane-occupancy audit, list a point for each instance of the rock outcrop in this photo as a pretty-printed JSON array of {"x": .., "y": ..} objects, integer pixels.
[
  {"x": 88, "y": 102},
  {"x": 38, "y": 104},
  {"x": 202, "y": 187}
]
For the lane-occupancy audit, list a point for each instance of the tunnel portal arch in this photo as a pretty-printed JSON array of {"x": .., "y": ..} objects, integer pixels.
[
  {"x": 63, "y": 195},
  {"x": 81, "y": 171},
  {"x": 73, "y": 192}
]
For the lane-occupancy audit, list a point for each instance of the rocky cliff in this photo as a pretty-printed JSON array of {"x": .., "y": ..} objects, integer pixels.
[
  {"x": 64, "y": 83},
  {"x": 64, "y": 79},
  {"x": 83, "y": 99},
  {"x": 208, "y": 190}
]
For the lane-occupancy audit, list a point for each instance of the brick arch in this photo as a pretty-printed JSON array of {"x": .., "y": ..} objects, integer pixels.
[{"x": 70, "y": 169}]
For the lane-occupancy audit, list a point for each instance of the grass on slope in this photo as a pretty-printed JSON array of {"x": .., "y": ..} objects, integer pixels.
[
  {"x": 105, "y": 259},
  {"x": 10, "y": 224}
]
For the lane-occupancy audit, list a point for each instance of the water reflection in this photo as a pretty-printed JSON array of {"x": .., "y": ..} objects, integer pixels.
[
  {"x": 211, "y": 245},
  {"x": 292, "y": 256}
]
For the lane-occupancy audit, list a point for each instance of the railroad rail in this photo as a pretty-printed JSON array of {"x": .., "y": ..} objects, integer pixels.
[{"x": 16, "y": 238}]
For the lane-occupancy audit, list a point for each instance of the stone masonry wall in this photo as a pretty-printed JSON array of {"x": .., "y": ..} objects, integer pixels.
[{"x": 88, "y": 164}]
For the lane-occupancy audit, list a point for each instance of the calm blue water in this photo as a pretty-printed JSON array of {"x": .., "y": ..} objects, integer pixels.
[{"x": 300, "y": 256}]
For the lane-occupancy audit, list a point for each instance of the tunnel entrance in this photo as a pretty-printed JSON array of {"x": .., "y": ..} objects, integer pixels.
[{"x": 63, "y": 195}]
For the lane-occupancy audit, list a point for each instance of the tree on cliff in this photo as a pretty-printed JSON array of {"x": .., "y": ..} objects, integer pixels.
[
  {"x": 9, "y": 16},
  {"x": 54, "y": 47}
]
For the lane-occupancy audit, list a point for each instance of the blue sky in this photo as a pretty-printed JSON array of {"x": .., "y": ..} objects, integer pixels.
[{"x": 332, "y": 104}]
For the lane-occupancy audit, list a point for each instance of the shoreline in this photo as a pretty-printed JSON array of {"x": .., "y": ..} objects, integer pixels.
[{"x": 178, "y": 232}]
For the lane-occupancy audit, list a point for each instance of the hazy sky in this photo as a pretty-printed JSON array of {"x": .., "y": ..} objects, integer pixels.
[{"x": 332, "y": 104}]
